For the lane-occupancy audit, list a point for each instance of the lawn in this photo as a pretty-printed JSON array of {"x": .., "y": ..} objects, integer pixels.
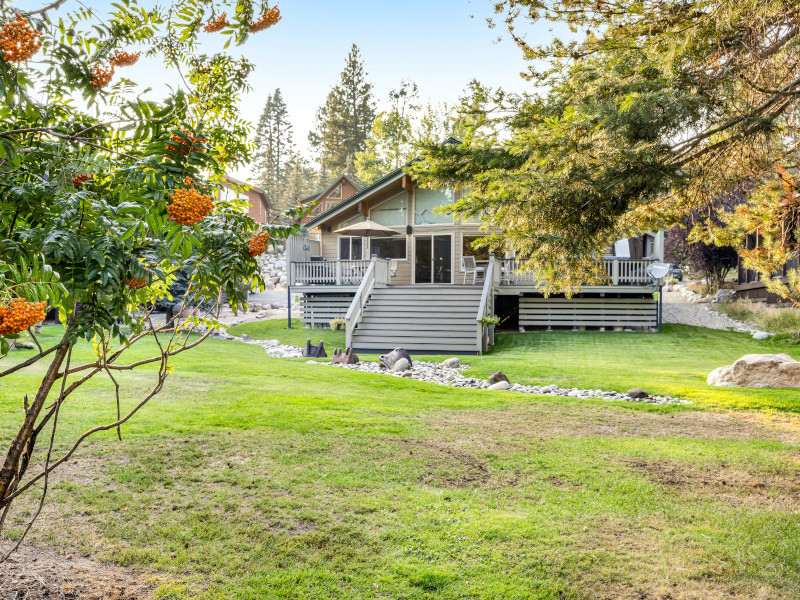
[{"x": 253, "y": 477}]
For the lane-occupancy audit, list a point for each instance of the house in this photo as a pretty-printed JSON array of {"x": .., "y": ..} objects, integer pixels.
[
  {"x": 259, "y": 202},
  {"x": 750, "y": 286},
  {"x": 343, "y": 188},
  {"x": 412, "y": 289}
]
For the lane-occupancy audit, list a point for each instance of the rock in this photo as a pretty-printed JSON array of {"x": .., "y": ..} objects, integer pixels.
[
  {"x": 497, "y": 377},
  {"x": 637, "y": 393},
  {"x": 401, "y": 364},
  {"x": 388, "y": 360},
  {"x": 758, "y": 371},
  {"x": 500, "y": 385},
  {"x": 246, "y": 338},
  {"x": 761, "y": 335},
  {"x": 725, "y": 295},
  {"x": 452, "y": 363},
  {"x": 276, "y": 306},
  {"x": 346, "y": 358}
]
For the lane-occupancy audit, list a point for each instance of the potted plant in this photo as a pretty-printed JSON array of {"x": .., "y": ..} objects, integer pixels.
[
  {"x": 490, "y": 323},
  {"x": 338, "y": 324}
]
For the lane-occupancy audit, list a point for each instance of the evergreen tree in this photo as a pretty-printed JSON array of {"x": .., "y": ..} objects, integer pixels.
[
  {"x": 275, "y": 148},
  {"x": 345, "y": 120},
  {"x": 301, "y": 179}
]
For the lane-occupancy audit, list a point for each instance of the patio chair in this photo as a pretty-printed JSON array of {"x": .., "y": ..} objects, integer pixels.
[{"x": 468, "y": 267}]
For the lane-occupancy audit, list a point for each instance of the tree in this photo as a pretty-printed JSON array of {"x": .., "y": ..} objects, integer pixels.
[
  {"x": 274, "y": 150},
  {"x": 344, "y": 122},
  {"x": 647, "y": 116},
  {"x": 301, "y": 180},
  {"x": 101, "y": 206}
]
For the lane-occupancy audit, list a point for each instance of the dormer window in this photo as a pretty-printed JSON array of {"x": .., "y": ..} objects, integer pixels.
[{"x": 336, "y": 193}]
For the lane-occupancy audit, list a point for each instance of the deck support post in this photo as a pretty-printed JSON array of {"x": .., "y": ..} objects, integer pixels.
[{"x": 289, "y": 304}]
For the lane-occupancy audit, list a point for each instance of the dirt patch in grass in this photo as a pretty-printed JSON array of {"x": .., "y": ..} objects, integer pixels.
[
  {"x": 34, "y": 573},
  {"x": 543, "y": 420},
  {"x": 449, "y": 465},
  {"x": 725, "y": 484}
]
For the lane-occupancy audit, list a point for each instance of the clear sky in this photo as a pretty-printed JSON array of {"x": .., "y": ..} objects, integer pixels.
[{"x": 438, "y": 44}]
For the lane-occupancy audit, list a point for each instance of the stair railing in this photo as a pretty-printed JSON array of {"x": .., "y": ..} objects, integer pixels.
[
  {"x": 486, "y": 307},
  {"x": 376, "y": 274}
]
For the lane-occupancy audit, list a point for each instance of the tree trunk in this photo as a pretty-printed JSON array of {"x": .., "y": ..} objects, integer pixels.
[{"x": 20, "y": 441}]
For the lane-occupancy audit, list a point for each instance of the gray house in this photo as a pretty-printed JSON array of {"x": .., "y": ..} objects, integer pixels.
[{"x": 422, "y": 286}]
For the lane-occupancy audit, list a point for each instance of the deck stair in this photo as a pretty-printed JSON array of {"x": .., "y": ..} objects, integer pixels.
[{"x": 419, "y": 318}]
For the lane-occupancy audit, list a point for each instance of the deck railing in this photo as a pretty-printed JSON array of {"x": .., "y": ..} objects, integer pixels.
[
  {"x": 376, "y": 273},
  {"x": 486, "y": 308},
  {"x": 327, "y": 272},
  {"x": 620, "y": 271}
]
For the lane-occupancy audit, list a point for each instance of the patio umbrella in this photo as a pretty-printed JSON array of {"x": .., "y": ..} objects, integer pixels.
[{"x": 367, "y": 229}]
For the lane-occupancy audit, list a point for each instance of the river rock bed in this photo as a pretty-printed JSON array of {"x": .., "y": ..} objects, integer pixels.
[
  {"x": 433, "y": 372},
  {"x": 272, "y": 347}
]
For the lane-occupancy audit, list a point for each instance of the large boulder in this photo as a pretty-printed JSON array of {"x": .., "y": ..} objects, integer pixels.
[
  {"x": 758, "y": 371},
  {"x": 724, "y": 295},
  {"x": 497, "y": 377},
  {"x": 388, "y": 360},
  {"x": 402, "y": 364}
]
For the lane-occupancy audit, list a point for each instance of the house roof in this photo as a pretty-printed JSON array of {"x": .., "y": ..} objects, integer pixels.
[
  {"x": 345, "y": 204},
  {"x": 354, "y": 181},
  {"x": 231, "y": 182}
]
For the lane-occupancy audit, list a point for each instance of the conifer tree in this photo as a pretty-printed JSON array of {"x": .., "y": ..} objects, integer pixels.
[
  {"x": 275, "y": 147},
  {"x": 345, "y": 120}
]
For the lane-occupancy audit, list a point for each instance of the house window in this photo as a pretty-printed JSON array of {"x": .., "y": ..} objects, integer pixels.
[
  {"x": 392, "y": 213},
  {"x": 351, "y": 248},
  {"x": 394, "y": 247},
  {"x": 467, "y": 249},
  {"x": 426, "y": 203},
  {"x": 336, "y": 193}
]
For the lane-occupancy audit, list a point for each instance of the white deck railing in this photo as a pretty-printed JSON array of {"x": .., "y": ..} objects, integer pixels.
[
  {"x": 376, "y": 273},
  {"x": 486, "y": 307},
  {"x": 620, "y": 271},
  {"x": 327, "y": 272}
]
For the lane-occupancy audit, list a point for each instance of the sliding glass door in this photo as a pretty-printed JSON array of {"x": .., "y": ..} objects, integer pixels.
[{"x": 433, "y": 259}]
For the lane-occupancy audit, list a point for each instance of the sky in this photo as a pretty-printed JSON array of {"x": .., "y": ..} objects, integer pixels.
[{"x": 439, "y": 44}]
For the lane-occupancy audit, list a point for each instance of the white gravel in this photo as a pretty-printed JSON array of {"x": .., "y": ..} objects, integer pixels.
[{"x": 678, "y": 310}]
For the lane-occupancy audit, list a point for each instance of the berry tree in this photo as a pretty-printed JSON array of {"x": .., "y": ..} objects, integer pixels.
[{"x": 106, "y": 193}]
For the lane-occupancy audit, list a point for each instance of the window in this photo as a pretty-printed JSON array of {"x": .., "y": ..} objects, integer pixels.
[
  {"x": 357, "y": 219},
  {"x": 392, "y": 213},
  {"x": 336, "y": 192},
  {"x": 393, "y": 247},
  {"x": 467, "y": 249},
  {"x": 426, "y": 203},
  {"x": 351, "y": 248}
]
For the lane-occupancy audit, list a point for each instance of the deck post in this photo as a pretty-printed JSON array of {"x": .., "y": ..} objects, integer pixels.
[
  {"x": 338, "y": 264},
  {"x": 614, "y": 272},
  {"x": 289, "y": 304}
]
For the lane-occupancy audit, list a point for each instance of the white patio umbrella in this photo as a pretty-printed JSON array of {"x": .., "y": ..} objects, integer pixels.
[{"x": 367, "y": 229}]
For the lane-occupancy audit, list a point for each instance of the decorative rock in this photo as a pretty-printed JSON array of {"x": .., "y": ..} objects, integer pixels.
[
  {"x": 761, "y": 335},
  {"x": 348, "y": 358},
  {"x": 246, "y": 338},
  {"x": 637, "y": 393},
  {"x": 497, "y": 377},
  {"x": 724, "y": 295},
  {"x": 402, "y": 364},
  {"x": 499, "y": 386},
  {"x": 388, "y": 360},
  {"x": 452, "y": 363},
  {"x": 758, "y": 371},
  {"x": 314, "y": 351}
]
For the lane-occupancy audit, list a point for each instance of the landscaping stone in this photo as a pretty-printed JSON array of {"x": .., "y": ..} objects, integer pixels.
[
  {"x": 388, "y": 360},
  {"x": 758, "y": 371},
  {"x": 452, "y": 363},
  {"x": 724, "y": 295},
  {"x": 401, "y": 365},
  {"x": 761, "y": 335},
  {"x": 499, "y": 386},
  {"x": 637, "y": 393},
  {"x": 442, "y": 375},
  {"x": 497, "y": 377}
]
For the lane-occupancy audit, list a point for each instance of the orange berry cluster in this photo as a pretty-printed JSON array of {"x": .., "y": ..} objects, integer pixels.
[
  {"x": 19, "y": 315},
  {"x": 258, "y": 243},
  {"x": 125, "y": 59},
  {"x": 136, "y": 283},
  {"x": 189, "y": 206},
  {"x": 79, "y": 180},
  {"x": 18, "y": 40},
  {"x": 101, "y": 76},
  {"x": 181, "y": 147},
  {"x": 217, "y": 24},
  {"x": 267, "y": 20}
]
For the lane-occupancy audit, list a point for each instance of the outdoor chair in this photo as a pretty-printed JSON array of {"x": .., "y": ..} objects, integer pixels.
[
  {"x": 393, "y": 267},
  {"x": 468, "y": 267}
]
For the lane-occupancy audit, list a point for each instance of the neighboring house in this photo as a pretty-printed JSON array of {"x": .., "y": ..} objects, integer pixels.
[
  {"x": 341, "y": 189},
  {"x": 259, "y": 202},
  {"x": 749, "y": 285},
  {"x": 412, "y": 289}
]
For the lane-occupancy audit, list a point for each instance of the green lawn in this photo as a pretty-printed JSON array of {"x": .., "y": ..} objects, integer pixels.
[{"x": 252, "y": 477}]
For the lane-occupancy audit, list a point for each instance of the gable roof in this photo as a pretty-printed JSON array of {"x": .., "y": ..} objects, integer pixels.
[
  {"x": 345, "y": 204},
  {"x": 352, "y": 179},
  {"x": 232, "y": 183}
]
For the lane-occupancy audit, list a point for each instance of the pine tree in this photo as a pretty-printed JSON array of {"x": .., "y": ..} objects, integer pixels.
[
  {"x": 345, "y": 120},
  {"x": 275, "y": 148},
  {"x": 301, "y": 179}
]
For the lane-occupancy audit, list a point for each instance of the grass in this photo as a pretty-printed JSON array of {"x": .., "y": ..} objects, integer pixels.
[
  {"x": 769, "y": 318},
  {"x": 253, "y": 477}
]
